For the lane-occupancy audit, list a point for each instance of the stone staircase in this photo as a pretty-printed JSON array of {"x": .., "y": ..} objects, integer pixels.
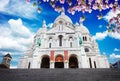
[{"x": 59, "y": 74}]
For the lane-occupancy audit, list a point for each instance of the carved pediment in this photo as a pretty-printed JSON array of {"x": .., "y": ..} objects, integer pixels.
[{"x": 61, "y": 29}]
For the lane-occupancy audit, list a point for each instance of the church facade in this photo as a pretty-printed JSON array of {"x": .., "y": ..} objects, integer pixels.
[{"x": 64, "y": 45}]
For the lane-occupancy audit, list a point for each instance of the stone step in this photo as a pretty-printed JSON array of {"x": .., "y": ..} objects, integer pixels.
[{"x": 59, "y": 74}]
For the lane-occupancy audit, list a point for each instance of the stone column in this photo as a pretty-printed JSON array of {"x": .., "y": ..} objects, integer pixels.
[
  {"x": 52, "y": 64},
  {"x": 79, "y": 64},
  {"x": 34, "y": 63},
  {"x": 52, "y": 59},
  {"x": 66, "y": 59},
  {"x": 66, "y": 65},
  {"x": 39, "y": 64},
  {"x": 84, "y": 63}
]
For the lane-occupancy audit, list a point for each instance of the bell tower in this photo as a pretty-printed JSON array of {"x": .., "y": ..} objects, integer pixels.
[{"x": 6, "y": 61}]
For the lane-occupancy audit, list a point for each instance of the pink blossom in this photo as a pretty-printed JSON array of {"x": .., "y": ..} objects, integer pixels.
[
  {"x": 79, "y": 1},
  {"x": 62, "y": 1},
  {"x": 106, "y": 1},
  {"x": 83, "y": 10},
  {"x": 28, "y": 1},
  {"x": 88, "y": 9},
  {"x": 90, "y": 2},
  {"x": 97, "y": 1},
  {"x": 44, "y": 0},
  {"x": 39, "y": 10},
  {"x": 52, "y": 0},
  {"x": 118, "y": 30},
  {"x": 95, "y": 6},
  {"x": 70, "y": 3},
  {"x": 58, "y": 9},
  {"x": 114, "y": 9},
  {"x": 78, "y": 8},
  {"x": 105, "y": 6},
  {"x": 73, "y": 12},
  {"x": 111, "y": 5}
]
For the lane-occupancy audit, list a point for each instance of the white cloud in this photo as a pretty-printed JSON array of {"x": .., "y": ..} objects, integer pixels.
[
  {"x": 116, "y": 49},
  {"x": 3, "y": 4},
  {"x": 18, "y": 28},
  {"x": 100, "y": 36},
  {"x": 114, "y": 56},
  {"x": 114, "y": 35},
  {"x": 12, "y": 38},
  {"x": 18, "y": 8},
  {"x": 103, "y": 35},
  {"x": 50, "y": 25},
  {"x": 111, "y": 14}
]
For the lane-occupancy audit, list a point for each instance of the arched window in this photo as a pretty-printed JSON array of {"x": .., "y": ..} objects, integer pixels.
[
  {"x": 49, "y": 45},
  {"x": 86, "y": 50},
  {"x": 71, "y": 40},
  {"x": 90, "y": 62},
  {"x": 70, "y": 44},
  {"x": 61, "y": 22},
  {"x": 85, "y": 38},
  {"x": 60, "y": 40},
  {"x": 95, "y": 64},
  {"x": 50, "y": 39},
  {"x": 29, "y": 65}
]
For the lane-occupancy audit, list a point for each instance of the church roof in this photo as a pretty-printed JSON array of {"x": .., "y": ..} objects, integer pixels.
[
  {"x": 8, "y": 55},
  {"x": 83, "y": 29},
  {"x": 64, "y": 17}
]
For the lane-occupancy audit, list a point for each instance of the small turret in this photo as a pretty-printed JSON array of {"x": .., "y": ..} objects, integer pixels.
[
  {"x": 44, "y": 24},
  {"x": 63, "y": 11},
  {"x": 6, "y": 61}
]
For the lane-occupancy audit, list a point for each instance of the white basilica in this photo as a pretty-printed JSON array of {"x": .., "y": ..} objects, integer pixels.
[{"x": 64, "y": 45}]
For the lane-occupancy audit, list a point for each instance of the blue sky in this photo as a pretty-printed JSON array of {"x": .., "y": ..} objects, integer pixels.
[{"x": 19, "y": 21}]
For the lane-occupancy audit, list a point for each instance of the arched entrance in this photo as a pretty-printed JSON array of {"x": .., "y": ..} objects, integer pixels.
[
  {"x": 45, "y": 62},
  {"x": 73, "y": 61},
  {"x": 59, "y": 62}
]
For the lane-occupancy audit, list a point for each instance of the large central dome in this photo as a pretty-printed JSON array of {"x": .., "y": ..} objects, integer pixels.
[{"x": 64, "y": 17}]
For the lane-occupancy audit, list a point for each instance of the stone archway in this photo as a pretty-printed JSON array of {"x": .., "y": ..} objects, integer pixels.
[
  {"x": 59, "y": 62},
  {"x": 73, "y": 61},
  {"x": 45, "y": 62}
]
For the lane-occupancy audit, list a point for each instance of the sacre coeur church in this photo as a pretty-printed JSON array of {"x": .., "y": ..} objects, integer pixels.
[{"x": 64, "y": 45}]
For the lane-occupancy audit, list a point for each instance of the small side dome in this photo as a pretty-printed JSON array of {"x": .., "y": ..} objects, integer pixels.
[
  {"x": 39, "y": 31},
  {"x": 83, "y": 29},
  {"x": 43, "y": 28}
]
